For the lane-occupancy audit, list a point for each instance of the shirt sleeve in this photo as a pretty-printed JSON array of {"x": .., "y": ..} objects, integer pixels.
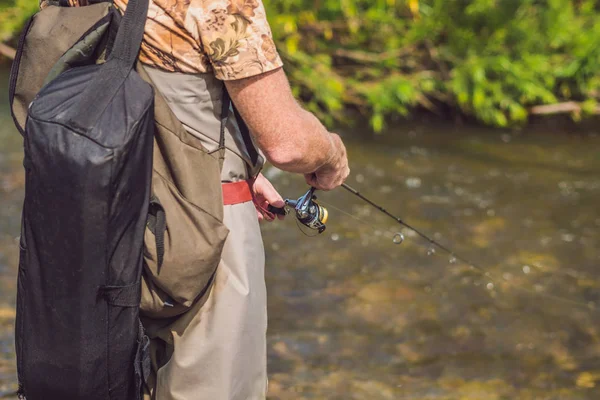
[{"x": 236, "y": 37}]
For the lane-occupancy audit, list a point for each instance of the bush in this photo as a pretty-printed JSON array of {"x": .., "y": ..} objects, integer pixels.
[
  {"x": 13, "y": 14},
  {"x": 487, "y": 59}
]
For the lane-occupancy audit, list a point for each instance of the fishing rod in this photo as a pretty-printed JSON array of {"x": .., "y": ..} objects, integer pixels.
[{"x": 310, "y": 213}]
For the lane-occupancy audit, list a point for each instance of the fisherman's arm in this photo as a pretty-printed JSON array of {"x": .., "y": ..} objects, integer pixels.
[{"x": 291, "y": 138}]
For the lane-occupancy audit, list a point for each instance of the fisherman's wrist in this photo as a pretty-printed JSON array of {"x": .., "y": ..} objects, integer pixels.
[{"x": 332, "y": 153}]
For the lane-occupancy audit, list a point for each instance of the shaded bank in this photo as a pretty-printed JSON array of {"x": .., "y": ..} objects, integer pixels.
[
  {"x": 495, "y": 62},
  {"x": 491, "y": 61}
]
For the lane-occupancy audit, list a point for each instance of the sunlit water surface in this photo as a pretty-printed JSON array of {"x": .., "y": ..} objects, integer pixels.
[{"x": 355, "y": 316}]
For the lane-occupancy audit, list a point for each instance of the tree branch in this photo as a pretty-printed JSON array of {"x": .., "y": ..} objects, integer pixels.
[
  {"x": 7, "y": 51},
  {"x": 559, "y": 108},
  {"x": 367, "y": 57}
]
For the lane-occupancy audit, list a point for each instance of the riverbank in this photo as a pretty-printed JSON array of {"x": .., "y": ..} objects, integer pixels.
[
  {"x": 497, "y": 63},
  {"x": 552, "y": 119}
]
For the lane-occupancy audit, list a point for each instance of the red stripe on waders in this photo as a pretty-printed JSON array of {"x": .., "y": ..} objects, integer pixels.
[{"x": 236, "y": 192}]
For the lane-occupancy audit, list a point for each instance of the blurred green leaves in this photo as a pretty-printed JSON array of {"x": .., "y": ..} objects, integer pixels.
[
  {"x": 13, "y": 14},
  {"x": 490, "y": 60},
  {"x": 487, "y": 59}
]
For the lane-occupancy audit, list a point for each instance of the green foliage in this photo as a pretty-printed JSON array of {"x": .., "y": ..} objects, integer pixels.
[
  {"x": 13, "y": 14},
  {"x": 487, "y": 59}
]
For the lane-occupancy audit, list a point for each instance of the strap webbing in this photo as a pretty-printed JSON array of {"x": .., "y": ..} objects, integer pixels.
[
  {"x": 252, "y": 152},
  {"x": 122, "y": 296},
  {"x": 143, "y": 363},
  {"x": 225, "y": 107},
  {"x": 130, "y": 34},
  {"x": 115, "y": 71},
  {"x": 157, "y": 223}
]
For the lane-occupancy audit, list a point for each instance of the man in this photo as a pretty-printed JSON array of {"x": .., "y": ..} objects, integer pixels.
[{"x": 217, "y": 350}]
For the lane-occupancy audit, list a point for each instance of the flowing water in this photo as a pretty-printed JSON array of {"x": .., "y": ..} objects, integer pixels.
[{"x": 356, "y": 315}]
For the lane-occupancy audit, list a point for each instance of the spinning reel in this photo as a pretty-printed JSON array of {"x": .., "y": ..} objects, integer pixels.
[{"x": 308, "y": 211}]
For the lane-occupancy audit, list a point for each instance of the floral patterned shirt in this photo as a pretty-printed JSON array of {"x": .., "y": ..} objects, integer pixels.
[{"x": 232, "y": 38}]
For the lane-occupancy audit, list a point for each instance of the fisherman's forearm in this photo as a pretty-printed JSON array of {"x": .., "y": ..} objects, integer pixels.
[
  {"x": 291, "y": 138},
  {"x": 304, "y": 145}
]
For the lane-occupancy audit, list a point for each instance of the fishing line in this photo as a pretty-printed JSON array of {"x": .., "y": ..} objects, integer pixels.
[
  {"x": 375, "y": 228},
  {"x": 456, "y": 256},
  {"x": 401, "y": 222}
]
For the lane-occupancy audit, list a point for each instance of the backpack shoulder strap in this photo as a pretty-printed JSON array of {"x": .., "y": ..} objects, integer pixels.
[
  {"x": 117, "y": 67},
  {"x": 256, "y": 159},
  {"x": 225, "y": 107}
]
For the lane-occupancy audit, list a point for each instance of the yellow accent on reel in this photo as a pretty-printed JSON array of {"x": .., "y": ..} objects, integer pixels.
[{"x": 324, "y": 214}]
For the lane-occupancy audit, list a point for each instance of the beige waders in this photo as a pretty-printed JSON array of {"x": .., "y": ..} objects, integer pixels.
[{"x": 217, "y": 349}]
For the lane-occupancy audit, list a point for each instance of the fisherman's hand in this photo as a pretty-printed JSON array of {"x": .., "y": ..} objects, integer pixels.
[
  {"x": 263, "y": 195},
  {"x": 335, "y": 171}
]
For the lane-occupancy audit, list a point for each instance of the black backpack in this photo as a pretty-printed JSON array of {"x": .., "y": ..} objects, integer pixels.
[{"x": 88, "y": 145}]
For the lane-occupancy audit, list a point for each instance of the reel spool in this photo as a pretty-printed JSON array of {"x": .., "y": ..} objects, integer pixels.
[{"x": 308, "y": 211}]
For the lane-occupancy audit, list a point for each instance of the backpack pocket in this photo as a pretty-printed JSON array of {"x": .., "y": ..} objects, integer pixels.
[{"x": 183, "y": 246}]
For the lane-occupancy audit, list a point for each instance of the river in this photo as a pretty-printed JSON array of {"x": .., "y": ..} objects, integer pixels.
[{"x": 352, "y": 315}]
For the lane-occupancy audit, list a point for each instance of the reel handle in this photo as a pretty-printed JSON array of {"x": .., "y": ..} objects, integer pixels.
[{"x": 277, "y": 210}]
